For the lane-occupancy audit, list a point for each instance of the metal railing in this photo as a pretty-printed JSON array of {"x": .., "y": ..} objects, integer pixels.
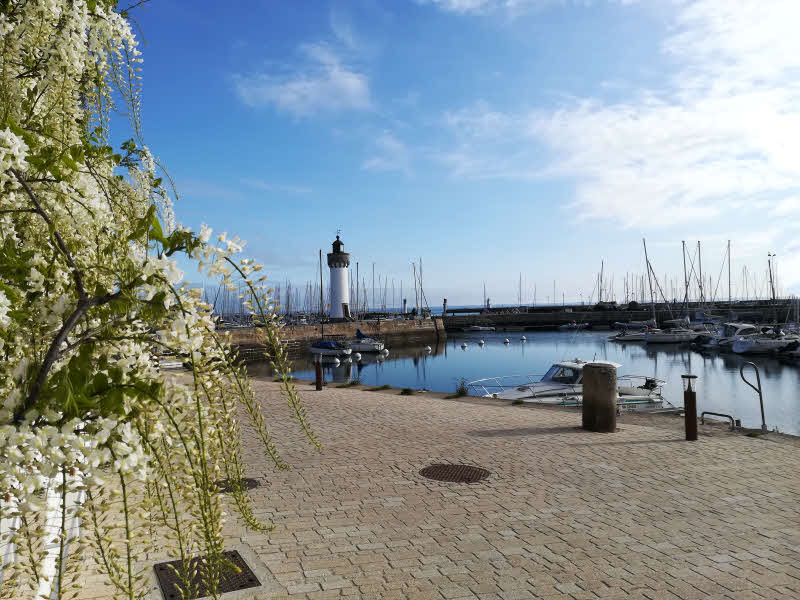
[{"x": 757, "y": 388}]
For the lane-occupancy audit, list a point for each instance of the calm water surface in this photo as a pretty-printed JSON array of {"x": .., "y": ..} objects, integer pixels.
[{"x": 719, "y": 386}]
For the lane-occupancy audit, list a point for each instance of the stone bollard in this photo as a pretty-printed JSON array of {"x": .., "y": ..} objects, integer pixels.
[{"x": 600, "y": 397}]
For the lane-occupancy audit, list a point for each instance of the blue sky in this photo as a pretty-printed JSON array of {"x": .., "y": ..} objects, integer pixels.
[{"x": 491, "y": 137}]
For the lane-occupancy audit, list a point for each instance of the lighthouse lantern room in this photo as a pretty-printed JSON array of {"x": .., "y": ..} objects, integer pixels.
[{"x": 339, "y": 261}]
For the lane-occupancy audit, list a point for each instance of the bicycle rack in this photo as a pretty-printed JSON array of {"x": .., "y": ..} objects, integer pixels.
[
  {"x": 708, "y": 412},
  {"x": 757, "y": 389}
]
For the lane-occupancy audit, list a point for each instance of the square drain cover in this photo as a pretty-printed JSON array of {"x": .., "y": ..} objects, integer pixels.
[{"x": 170, "y": 583}]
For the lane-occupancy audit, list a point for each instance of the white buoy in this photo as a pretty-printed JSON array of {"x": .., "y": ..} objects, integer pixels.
[
  {"x": 523, "y": 338},
  {"x": 336, "y": 362},
  {"x": 506, "y": 341},
  {"x": 428, "y": 349},
  {"x": 481, "y": 343},
  {"x": 464, "y": 346},
  {"x": 385, "y": 351},
  {"x": 357, "y": 356}
]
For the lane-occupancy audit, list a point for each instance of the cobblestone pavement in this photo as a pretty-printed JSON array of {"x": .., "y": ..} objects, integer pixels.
[{"x": 565, "y": 514}]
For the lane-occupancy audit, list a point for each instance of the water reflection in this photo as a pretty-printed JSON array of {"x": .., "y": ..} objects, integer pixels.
[{"x": 720, "y": 388}]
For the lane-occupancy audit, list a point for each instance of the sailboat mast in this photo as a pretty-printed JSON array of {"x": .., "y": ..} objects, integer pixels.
[
  {"x": 730, "y": 295},
  {"x": 649, "y": 281},
  {"x": 685, "y": 280},
  {"x": 321, "y": 301}
]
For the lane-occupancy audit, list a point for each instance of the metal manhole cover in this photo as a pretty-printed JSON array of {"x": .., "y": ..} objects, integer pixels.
[
  {"x": 224, "y": 485},
  {"x": 171, "y": 584},
  {"x": 455, "y": 473}
]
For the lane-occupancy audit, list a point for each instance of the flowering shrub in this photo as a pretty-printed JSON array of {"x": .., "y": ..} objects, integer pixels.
[{"x": 103, "y": 454}]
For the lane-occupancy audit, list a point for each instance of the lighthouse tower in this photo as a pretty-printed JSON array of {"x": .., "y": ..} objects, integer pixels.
[{"x": 338, "y": 262}]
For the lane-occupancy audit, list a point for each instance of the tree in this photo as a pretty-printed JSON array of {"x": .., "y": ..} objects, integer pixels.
[{"x": 91, "y": 428}]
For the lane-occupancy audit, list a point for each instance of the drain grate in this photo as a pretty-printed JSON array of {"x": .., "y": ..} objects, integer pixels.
[
  {"x": 455, "y": 473},
  {"x": 224, "y": 485},
  {"x": 231, "y": 581}
]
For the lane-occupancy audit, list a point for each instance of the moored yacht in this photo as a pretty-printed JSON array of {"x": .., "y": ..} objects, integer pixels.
[
  {"x": 563, "y": 385},
  {"x": 364, "y": 343},
  {"x": 329, "y": 348}
]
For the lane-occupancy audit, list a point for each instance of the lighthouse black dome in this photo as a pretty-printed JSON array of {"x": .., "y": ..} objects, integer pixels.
[{"x": 337, "y": 258}]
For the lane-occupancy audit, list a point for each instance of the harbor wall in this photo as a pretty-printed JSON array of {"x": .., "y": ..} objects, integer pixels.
[
  {"x": 601, "y": 319},
  {"x": 408, "y": 329}
]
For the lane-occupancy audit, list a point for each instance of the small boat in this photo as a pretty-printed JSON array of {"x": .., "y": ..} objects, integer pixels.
[
  {"x": 364, "y": 343},
  {"x": 633, "y": 332},
  {"x": 724, "y": 338},
  {"x": 329, "y": 348},
  {"x": 479, "y": 328},
  {"x": 563, "y": 385},
  {"x": 628, "y": 336},
  {"x": 763, "y": 344},
  {"x": 573, "y": 326},
  {"x": 678, "y": 335}
]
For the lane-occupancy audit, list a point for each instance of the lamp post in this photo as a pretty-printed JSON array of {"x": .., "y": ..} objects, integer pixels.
[{"x": 690, "y": 406}]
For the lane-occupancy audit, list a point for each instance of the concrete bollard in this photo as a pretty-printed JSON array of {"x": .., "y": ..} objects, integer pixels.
[{"x": 600, "y": 397}]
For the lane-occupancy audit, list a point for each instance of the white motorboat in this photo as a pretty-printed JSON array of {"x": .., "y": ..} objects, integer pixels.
[
  {"x": 763, "y": 344},
  {"x": 479, "y": 328},
  {"x": 364, "y": 343},
  {"x": 329, "y": 348},
  {"x": 628, "y": 336},
  {"x": 563, "y": 385},
  {"x": 727, "y": 335}
]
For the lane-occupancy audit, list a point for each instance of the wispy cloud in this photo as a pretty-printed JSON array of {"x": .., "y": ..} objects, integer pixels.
[
  {"x": 390, "y": 155},
  {"x": 265, "y": 186},
  {"x": 511, "y": 7},
  {"x": 321, "y": 81},
  {"x": 723, "y": 134}
]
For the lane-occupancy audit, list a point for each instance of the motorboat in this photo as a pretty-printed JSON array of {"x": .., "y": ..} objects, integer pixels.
[
  {"x": 563, "y": 385},
  {"x": 479, "y": 328},
  {"x": 364, "y": 343},
  {"x": 573, "y": 326},
  {"x": 724, "y": 338},
  {"x": 330, "y": 348},
  {"x": 763, "y": 344}
]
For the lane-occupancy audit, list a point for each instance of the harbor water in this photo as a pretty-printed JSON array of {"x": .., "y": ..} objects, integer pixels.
[{"x": 719, "y": 385}]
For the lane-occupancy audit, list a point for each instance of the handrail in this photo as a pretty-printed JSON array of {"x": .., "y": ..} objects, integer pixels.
[
  {"x": 757, "y": 389},
  {"x": 708, "y": 412}
]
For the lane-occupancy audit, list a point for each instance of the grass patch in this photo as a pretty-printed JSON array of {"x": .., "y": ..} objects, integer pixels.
[
  {"x": 518, "y": 401},
  {"x": 462, "y": 389},
  {"x": 754, "y": 433},
  {"x": 353, "y": 383},
  {"x": 407, "y": 392},
  {"x": 385, "y": 386}
]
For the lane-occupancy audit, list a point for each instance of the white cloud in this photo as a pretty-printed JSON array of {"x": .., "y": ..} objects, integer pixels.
[
  {"x": 265, "y": 186},
  {"x": 391, "y": 155},
  {"x": 511, "y": 7},
  {"x": 722, "y": 136},
  {"x": 321, "y": 82}
]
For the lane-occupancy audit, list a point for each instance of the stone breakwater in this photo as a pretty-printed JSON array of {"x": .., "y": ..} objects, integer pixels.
[{"x": 401, "y": 329}]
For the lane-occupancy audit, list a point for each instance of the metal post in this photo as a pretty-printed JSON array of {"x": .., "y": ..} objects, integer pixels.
[
  {"x": 690, "y": 406},
  {"x": 318, "y": 373}
]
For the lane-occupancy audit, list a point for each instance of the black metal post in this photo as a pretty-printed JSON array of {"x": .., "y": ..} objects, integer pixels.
[
  {"x": 690, "y": 407},
  {"x": 318, "y": 373}
]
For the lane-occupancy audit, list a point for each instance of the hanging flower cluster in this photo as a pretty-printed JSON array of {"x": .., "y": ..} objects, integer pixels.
[{"x": 92, "y": 432}]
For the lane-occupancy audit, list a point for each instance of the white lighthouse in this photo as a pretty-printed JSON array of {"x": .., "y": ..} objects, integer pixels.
[{"x": 338, "y": 262}]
